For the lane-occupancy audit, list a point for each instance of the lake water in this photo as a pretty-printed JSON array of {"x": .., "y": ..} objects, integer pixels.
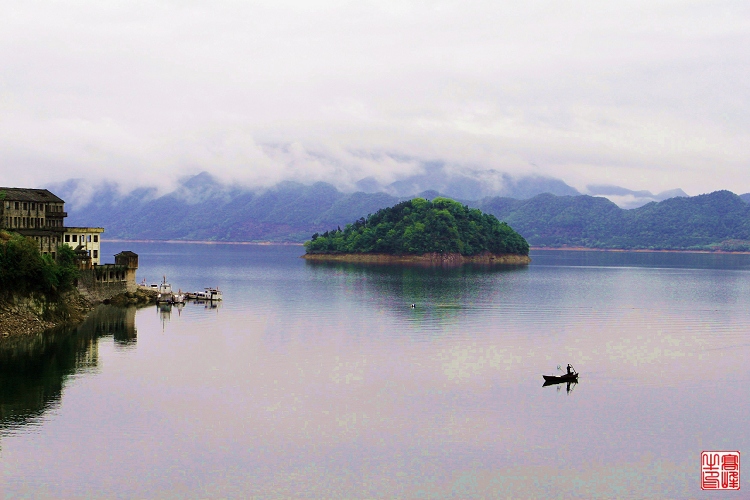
[{"x": 321, "y": 381}]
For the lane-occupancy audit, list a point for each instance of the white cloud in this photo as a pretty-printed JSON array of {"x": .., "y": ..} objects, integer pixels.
[{"x": 651, "y": 95}]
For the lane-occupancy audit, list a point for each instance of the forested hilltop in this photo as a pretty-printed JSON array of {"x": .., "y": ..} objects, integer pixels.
[
  {"x": 715, "y": 221},
  {"x": 419, "y": 227}
]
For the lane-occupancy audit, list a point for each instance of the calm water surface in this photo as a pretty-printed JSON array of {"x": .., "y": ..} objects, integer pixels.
[{"x": 320, "y": 381}]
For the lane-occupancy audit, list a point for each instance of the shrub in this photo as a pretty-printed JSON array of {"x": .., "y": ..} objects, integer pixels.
[{"x": 24, "y": 270}]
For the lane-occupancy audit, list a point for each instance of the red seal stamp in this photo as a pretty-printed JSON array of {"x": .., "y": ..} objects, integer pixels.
[{"x": 720, "y": 470}]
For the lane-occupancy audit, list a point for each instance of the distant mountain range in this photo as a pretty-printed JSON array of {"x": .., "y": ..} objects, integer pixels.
[
  {"x": 627, "y": 198},
  {"x": 468, "y": 184},
  {"x": 204, "y": 209},
  {"x": 715, "y": 221}
]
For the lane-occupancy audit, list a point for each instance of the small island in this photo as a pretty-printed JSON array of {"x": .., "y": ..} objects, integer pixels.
[{"x": 441, "y": 231}]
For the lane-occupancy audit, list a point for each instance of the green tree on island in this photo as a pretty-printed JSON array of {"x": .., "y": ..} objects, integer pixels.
[{"x": 420, "y": 226}]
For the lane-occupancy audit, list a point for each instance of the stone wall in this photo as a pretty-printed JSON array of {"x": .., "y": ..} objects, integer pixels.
[{"x": 96, "y": 290}]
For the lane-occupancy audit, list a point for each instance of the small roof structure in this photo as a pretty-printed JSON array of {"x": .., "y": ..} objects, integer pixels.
[
  {"x": 27, "y": 194},
  {"x": 127, "y": 253}
]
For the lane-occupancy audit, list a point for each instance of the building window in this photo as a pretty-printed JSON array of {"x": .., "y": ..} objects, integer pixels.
[
  {"x": 16, "y": 205},
  {"x": 96, "y": 254},
  {"x": 75, "y": 238},
  {"x": 96, "y": 238},
  {"x": 88, "y": 238},
  {"x": 25, "y": 206},
  {"x": 67, "y": 238},
  {"x": 33, "y": 206}
]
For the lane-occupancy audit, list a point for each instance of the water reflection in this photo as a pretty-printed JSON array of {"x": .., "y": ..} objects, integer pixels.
[
  {"x": 322, "y": 379},
  {"x": 165, "y": 310},
  {"x": 413, "y": 269},
  {"x": 654, "y": 259},
  {"x": 569, "y": 385},
  {"x": 440, "y": 294},
  {"x": 208, "y": 304},
  {"x": 33, "y": 369}
]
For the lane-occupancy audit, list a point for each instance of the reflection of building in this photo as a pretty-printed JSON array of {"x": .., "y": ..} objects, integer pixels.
[
  {"x": 116, "y": 321},
  {"x": 40, "y": 215},
  {"x": 34, "y": 368},
  {"x": 32, "y": 372}
]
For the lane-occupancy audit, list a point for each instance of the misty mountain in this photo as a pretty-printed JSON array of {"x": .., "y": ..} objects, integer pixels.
[
  {"x": 206, "y": 210},
  {"x": 627, "y": 198},
  {"x": 468, "y": 184},
  {"x": 203, "y": 209}
]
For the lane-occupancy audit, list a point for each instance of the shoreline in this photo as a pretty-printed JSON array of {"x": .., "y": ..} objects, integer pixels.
[
  {"x": 636, "y": 250},
  {"x": 430, "y": 258},
  {"x": 22, "y": 316},
  {"x": 204, "y": 242}
]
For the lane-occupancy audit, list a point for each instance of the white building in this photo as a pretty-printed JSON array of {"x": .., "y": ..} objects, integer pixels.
[{"x": 87, "y": 238}]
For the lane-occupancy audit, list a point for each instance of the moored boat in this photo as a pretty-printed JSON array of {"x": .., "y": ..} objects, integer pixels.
[
  {"x": 211, "y": 294},
  {"x": 164, "y": 292}
]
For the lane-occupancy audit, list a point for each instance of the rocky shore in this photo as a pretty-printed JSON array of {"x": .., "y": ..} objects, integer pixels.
[
  {"x": 34, "y": 314},
  {"x": 141, "y": 297},
  {"x": 428, "y": 258}
]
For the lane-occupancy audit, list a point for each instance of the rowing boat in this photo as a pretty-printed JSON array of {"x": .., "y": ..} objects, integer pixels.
[{"x": 561, "y": 378}]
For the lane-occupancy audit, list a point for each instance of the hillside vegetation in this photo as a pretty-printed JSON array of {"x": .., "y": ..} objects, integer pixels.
[
  {"x": 715, "y": 221},
  {"x": 420, "y": 226},
  {"x": 23, "y": 270}
]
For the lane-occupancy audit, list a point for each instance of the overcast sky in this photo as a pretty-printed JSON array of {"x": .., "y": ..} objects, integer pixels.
[{"x": 642, "y": 94}]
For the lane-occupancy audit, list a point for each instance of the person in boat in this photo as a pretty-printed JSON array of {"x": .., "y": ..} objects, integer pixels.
[{"x": 570, "y": 369}]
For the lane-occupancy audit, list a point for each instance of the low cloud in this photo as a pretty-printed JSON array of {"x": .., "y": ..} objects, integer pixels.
[{"x": 634, "y": 93}]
